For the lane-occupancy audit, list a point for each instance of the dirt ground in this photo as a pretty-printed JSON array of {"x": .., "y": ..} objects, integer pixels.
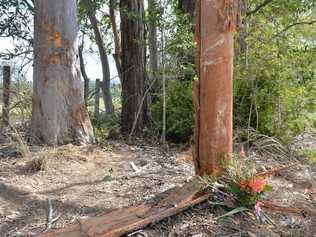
[{"x": 82, "y": 182}]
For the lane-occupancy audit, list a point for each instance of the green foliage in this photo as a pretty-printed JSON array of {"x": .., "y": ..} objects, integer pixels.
[
  {"x": 179, "y": 112},
  {"x": 275, "y": 77},
  {"x": 310, "y": 154},
  {"x": 240, "y": 180},
  {"x": 233, "y": 212},
  {"x": 240, "y": 188},
  {"x": 104, "y": 126}
]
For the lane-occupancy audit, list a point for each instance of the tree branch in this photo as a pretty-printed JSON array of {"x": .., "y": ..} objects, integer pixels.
[
  {"x": 292, "y": 25},
  {"x": 258, "y": 7},
  {"x": 29, "y": 5}
]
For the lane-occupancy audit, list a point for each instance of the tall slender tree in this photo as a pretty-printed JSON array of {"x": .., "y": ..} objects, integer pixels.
[
  {"x": 188, "y": 7},
  {"x": 86, "y": 79},
  {"x": 59, "y": 114},
  {"x": 152, "y": 37},
  {"x": 117, "y": 41},
  {"x": 6, "y": 94},
  {"x": 134, "y": 105},
  {"x": 106, "y": 82}
]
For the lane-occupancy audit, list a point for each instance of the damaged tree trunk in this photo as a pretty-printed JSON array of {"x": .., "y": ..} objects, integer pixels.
[
  {"x": 59, "y": 114},
  {"x": 6, "y": 95},
  {"x": 213, "y": 94}
]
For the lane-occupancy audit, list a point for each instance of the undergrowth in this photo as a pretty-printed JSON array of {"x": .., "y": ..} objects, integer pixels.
[{"x": 240, "y": 188}]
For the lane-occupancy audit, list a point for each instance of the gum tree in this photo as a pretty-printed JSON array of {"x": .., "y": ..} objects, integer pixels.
[{"x": 59, "y": 114}]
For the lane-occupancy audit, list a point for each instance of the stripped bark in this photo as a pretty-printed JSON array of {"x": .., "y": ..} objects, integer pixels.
[
  {"x": 59, "y": 114},
  {"x": 213, "y": 93},
  {"x": 106, "y": 82},
  {"x": 127, "y": 220},
  {"x": 6, "y": 95}
]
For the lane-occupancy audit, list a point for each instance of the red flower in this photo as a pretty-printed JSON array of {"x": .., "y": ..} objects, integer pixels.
[{"x": 256, "y": 184}]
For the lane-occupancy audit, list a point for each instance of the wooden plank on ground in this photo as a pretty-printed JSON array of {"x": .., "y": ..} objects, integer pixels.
[{"x": 127, "y": 220}]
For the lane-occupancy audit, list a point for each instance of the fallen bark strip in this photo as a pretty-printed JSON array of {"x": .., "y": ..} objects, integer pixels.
[
  {"x": 126, "y": 220},
  {"x": 299, "y": 210},
  {"x": 276, "y": 170}
]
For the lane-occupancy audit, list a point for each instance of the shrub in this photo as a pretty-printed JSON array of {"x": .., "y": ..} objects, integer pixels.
[
  {"x": 179, "y": 112},
  {"x": 104, "y": 126}
]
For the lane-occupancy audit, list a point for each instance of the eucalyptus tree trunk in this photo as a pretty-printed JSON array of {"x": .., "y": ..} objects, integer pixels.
[
  {"x": 188, "y": 7},
  {"x": 59, "y": 114},
  {"x": 152, "y": 38},
  {"x": 213, "y": 94},
  {"x": 6, "y": 95},
  {"x": 117, "y": 41},
  {"x": 97, "y": 99},
  {"x": 106, "y": 82},
  {"x": 86, "y": 80},
  {"x": 134, "y": 107}
]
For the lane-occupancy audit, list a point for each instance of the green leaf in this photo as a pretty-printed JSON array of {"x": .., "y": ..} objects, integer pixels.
[
  {"x": 218, "y": 204},
  {"x": 268, "y": 188},
  {"x": 233, "y": 212},
  {"x": 107, "y": 178}
]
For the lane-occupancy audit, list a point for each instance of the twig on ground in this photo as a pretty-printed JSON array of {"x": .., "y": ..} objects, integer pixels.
[
  {"x": 275, "y": 170},
  {"x": 50, "y": 219},
  {"x": 134, "y": 167}
]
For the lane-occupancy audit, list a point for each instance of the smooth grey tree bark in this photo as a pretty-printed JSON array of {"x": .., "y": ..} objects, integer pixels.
[
  {"x": 106, "y": 82},
  {"x": 59, "y": 114}
]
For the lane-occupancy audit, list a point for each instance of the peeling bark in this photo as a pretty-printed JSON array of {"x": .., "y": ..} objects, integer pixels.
[
  {"x": 59, "y": 114},
  {"x": 124, "y": 221},
  {"x": 213, "y": 94}
]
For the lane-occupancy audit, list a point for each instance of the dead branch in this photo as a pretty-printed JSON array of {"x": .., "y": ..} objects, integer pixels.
[{"x": 276, "y": 170}]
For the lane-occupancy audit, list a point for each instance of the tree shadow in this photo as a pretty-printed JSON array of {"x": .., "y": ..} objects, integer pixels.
[
  {"x": 58, "y": 190},
  {"x": 31, "y": 209}
]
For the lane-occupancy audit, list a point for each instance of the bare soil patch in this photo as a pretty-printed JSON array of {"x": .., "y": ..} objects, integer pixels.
[{"x": 82, "y": 182}]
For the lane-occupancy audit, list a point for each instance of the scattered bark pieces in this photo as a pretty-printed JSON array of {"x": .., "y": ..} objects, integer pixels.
[{"x": 127, "y": 220}]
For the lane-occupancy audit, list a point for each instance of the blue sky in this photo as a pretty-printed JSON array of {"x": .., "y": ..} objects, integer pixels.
[{"x": 93, "y": 65}]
